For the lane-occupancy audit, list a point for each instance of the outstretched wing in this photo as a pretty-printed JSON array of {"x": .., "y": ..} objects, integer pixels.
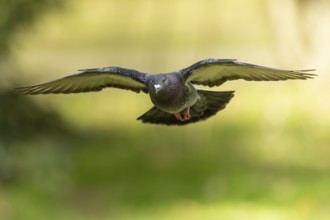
[
  {"x": 214, "y": 72},
  {"x": 90, "y": 80}
]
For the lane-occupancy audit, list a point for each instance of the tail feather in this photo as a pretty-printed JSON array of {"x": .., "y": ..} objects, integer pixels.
[{"x": 209, "y": 104}]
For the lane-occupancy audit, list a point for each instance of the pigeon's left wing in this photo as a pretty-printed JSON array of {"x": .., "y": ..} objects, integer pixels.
[
  {"x": 90, "y": 80},
  {"x": 214, "y": 72}
]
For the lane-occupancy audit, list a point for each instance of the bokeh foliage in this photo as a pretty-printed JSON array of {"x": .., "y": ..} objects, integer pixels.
[
  {"x": 17, "y": 15},
  {"x": 266, "y": 156}
]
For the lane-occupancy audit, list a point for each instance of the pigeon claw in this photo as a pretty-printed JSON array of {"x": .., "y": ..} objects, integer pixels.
[{"x": 184, "y": 115}]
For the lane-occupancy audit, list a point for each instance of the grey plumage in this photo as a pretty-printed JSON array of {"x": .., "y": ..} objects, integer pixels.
[
  {"x": 209, "y": 104},
  {"x": 176, "y": 100}
]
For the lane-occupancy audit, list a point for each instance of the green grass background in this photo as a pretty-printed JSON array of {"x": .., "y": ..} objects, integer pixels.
[{"x": 84, "y": 156}]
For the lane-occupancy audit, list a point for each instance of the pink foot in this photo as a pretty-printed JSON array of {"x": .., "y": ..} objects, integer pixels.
[{"x": 184, "y": 115}]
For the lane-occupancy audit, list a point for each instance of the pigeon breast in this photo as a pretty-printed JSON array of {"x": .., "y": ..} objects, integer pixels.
[{"x": 173, "y": 94}]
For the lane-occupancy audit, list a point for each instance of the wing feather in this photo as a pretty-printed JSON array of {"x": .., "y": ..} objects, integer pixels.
[
  {"x": 214, "y": 72},
  {"x": 90, "y": 80}
]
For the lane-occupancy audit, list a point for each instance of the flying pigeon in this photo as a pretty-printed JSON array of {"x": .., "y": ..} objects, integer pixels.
[{"x": 176, "y": 99}]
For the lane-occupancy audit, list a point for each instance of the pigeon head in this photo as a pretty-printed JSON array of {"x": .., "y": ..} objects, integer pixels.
[
  {"x": 164, "y": 88},
  {"x": 161, "y": 85}
]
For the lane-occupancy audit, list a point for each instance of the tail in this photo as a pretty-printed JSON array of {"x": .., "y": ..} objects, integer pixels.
[{"x": 209, "y": 104}]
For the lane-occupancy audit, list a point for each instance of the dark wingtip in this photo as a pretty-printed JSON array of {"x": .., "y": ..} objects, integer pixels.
[
  {"x": 305, "y": 74},
  {"x": 30, "y": 90},
  {"x": 21, "y": 90},
  {"x": 306, "y": 71}
]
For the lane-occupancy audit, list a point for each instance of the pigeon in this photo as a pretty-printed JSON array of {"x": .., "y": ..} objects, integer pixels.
[{"x": 175, "y": 98}]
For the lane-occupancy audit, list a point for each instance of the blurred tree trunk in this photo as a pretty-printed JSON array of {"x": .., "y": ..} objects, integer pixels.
[
  {"x": 301, "y": 31},
  {"x": 21, "y": 118},
  {"x": 286, "y": 26}
]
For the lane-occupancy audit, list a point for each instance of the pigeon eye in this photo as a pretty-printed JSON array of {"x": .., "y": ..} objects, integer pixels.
[{"x": 164, "y": 80}]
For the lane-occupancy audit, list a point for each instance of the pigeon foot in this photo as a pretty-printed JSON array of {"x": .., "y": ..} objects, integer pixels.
[{"x": 184, "y": 115}]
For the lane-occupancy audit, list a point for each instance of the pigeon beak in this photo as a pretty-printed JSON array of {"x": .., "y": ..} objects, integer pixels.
[{"x": 157, "y": 87}]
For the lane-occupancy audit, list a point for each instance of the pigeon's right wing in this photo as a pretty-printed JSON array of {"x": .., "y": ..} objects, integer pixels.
[
  {"x": 214, "y": 72},
  {"x": 90, "y": 80}
]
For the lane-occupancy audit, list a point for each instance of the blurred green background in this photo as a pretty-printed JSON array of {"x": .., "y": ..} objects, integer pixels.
[{"x": 84, "y": 156}]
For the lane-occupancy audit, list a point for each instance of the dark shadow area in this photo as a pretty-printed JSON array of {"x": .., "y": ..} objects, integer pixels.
[
  {"x": 22, "y": 122},
  {"x": 22, "y": 119}
]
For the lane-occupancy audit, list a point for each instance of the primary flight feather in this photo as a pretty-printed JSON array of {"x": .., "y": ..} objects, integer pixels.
[{"x": 176, "y": 100}]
